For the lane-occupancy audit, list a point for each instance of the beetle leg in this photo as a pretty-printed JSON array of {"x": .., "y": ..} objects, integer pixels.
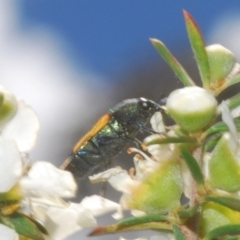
[
  {"x": 148, "y": 130},
  {"x": 137, "y": 142}
]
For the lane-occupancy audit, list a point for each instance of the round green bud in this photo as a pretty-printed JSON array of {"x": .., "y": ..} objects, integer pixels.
[
  {"x": 221, "y": 61},
  {"x": 192, "y": 108}
]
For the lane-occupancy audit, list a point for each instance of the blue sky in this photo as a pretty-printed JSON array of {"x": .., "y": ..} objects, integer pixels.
[{"x": 109, "y": 35}]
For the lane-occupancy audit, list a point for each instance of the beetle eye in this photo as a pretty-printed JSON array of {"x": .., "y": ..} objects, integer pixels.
[{"x": 144, "y": 104}]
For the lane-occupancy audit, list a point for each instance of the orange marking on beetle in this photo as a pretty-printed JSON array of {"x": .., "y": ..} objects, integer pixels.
[{"x": 102, "y": 122}]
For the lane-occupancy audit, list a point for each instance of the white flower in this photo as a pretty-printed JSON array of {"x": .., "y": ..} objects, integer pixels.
[
  {"x": 62, "y": 220},
  {"x": 22, "y": 128},
  {"x": 43, "y": 179},
  {"x": 11, "y": 167},
  {"x": 41, "y": 185},
  {"x": 18, "y": 134}
]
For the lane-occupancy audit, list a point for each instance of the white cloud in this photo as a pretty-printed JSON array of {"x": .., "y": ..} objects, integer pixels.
[{"x": 34, "y": 67}]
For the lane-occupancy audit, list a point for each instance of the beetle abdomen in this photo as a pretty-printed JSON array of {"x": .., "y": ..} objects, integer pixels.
[{"x": 97, "y": 153}]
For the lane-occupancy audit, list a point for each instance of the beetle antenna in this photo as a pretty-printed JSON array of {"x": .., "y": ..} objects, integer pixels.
[{"x": 161, "y": 99}]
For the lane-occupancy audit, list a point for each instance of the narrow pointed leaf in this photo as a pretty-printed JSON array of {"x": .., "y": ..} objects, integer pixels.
[
  {"x": 143, "y": 226},
  {"x": 216, "y": 128},
  {"x": 230, "y": 229},
  {"x": 193, "y": 166},
  {"x": 229, "y": 202},
  {"x": 220, "y": 127},
  {"x": 143, "y": 219},
  {"x": 231, "y": 238},
  {"x": 166, "y": 140},
  {"x": 40, "y": 227},
  {"x": 188, "y": 213},
  {"x": 22, "y": 225},
  {"x": 151, "y": 221},
  {"x": 198, "y": 47},
  {"x": 172, "y": 62},
  {"x": 178, "y": 233},
  {"x": 234, "y": 101},
  {"x": 211, "y": 142}
]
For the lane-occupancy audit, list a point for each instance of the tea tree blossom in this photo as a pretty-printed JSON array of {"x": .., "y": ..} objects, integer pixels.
[{"x": 31, "y": 194}]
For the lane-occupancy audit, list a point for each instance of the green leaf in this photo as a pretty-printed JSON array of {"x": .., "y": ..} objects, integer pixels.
[
  {"x": 229, "y": 202},
  {"x": 172, "y": 62},
  {"x": 41, "y": 228},
  {"x": 178, "y": 233},
  {"x": 22, "y": 225},
  {"x": 198, "y": 47},
  {"x": 143, "y": 219},
  {"x": 166, "y": 140},
  {"x": 216, "y": 128},
  {"x": 160, "y": 226},
  {"x": 230, "y": 229},
  {"x": 234, "y": 101},
  {"x": 219, "y": 128},
  {"x": 231, "y": 238},
  {"x": 210, "y": 143},
  {"x": 193, "y": 166},
  {"x": 189, "y": 212}
]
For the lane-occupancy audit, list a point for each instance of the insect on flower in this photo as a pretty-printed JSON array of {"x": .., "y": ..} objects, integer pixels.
[{"x": 109, "y": 136}]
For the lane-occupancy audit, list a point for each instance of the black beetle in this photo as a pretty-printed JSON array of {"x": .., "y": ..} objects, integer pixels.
[{"x": 109, "y": 136}]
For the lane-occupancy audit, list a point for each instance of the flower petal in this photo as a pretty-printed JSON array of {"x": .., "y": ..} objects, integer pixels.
[
  {"x": 157, "y": 122},
  {"x": 62, "y": 222},
  {"x": 143, "y": 164},
  {"x": 117, "y": 178},
  {"x": 105, "y": 175},
  {"x": 23, "y": 127},
  {"x": 45, "y": 179},
  {"x": 228, "y": 119},
  {"x": 10, "y": 165},
  {"x": 235, "y": 112},
  {"x": 99, "y": 205},
  {"x": 7, "y": 233}
]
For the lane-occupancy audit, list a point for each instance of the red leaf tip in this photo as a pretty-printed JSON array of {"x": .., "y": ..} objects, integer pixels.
[{"x": 97, "y": 231}]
